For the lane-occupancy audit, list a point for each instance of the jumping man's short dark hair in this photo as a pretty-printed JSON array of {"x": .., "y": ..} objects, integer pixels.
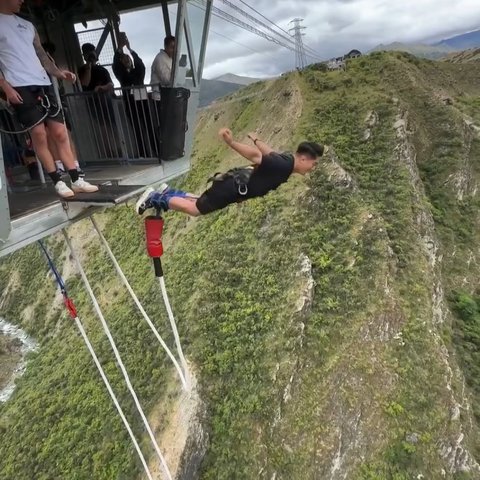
[{"x": 311, "y": 149}]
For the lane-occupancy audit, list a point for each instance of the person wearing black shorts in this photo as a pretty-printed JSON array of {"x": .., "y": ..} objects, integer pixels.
[
  {"x": 24, "y": 80},
  {"x": 269, "y": 170}
]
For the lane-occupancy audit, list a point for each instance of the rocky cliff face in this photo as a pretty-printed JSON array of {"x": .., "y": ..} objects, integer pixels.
[{"x": 332, "y": 324}]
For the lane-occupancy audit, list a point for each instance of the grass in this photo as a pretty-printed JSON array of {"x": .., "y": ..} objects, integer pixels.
[{"x": 364, "y": 364}]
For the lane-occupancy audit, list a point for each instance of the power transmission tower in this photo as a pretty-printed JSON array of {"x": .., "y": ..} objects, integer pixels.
[{"x": 300, "y": 57}]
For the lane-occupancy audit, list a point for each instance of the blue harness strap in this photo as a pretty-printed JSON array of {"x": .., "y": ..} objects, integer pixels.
[
  {"x": 68, "y": 302},
  {"x": 54, "y": 270}
]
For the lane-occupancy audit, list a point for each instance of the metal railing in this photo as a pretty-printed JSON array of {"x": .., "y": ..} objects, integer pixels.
[
  {"x": 122, "y": 127},
  {"x": 133, "y": 125}
]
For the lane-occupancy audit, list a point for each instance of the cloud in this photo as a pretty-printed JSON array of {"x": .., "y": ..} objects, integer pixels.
[{"x": 333, "y": 28}]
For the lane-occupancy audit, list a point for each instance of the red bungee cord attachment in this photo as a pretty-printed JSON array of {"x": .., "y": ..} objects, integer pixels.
[
  {"x": 153, "y": 234},
  {"x": 153, "y": 231}
]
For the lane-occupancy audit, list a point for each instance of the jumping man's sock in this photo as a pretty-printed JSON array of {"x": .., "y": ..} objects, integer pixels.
[
  {"x": 162, "y": 199},
  {"x": 55, "y": 176},
  {"x": 174, "y": 193},
  {"x": 73, "y": 175},
  {"x": 158, "y": 200}
]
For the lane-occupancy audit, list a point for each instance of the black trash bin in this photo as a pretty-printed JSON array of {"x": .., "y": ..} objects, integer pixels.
[{"x": 173, "y": 122}]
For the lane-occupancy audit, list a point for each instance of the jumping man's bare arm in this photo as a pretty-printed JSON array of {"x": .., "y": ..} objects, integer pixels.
[
  {"x": 260, "y": 144},
  {"x": 246, "y": 151}
]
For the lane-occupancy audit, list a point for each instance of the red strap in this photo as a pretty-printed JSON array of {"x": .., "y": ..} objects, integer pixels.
[
  {"x": 69, "y": 305},
  {"x": 154, "y": 230}
]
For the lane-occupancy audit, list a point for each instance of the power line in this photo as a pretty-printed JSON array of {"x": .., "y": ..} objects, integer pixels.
[
  {"x": 241, "y": 44},
  {"x": 256, "y": 20},
  {"x": 236, "y": 21},
  {"x": 273, "y": 23},
  {"x": 287, "y": 37}
]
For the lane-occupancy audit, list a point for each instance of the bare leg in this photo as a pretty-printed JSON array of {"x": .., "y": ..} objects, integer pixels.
[
  {"x": 185, "y": 205},
  {"x": 72, "y": 146},
  {"x": 53, "y": 146},
  {"x": 58, "y": 131},
  {"x": 40, "y": 145}
]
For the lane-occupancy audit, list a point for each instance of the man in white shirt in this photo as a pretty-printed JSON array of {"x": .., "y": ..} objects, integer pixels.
[
  {"x": 25, "y": 82},
  {"x": 162, "y": 64}
]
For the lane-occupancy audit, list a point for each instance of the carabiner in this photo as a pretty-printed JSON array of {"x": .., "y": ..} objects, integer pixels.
[{"x": 242, "y": 188}]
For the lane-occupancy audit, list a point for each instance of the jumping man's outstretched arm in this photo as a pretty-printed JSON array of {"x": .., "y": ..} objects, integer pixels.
[
  {"x": 250, "y": 153},
  {"x": 260, "y": 144}
]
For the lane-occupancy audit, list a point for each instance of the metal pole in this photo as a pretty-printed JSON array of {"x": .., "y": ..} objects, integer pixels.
[
  {"x": 182, "y": 5},
  {"x": 203, "y": 47},
  {"x": 5, "y": 221},
  {"x": 166, "y": 19},
  {"x": 191, "y": 51}
]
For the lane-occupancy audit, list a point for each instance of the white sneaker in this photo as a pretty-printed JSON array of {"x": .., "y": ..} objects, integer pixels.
[
  {"x": 81, "y": 186},
  {"x": 143, "y": 203},
  {"x": 62, "y": 190}
]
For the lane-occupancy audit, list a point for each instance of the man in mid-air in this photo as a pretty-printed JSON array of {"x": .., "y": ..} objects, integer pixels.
[{"x": 268, "y": 171}]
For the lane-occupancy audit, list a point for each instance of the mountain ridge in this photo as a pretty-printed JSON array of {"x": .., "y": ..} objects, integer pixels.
[
  {"x": 334, "y": 325},
  {"x": 435, "y": 50},
  {"x": 237, "y": 79},
  {"x": 462, "y": 41}
]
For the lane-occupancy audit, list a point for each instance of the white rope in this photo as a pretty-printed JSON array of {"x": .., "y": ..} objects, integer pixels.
[
  {"x": 114, "y": 398},
  {"x": 117, "y": 356},
  {"x": 174, "y": 328},
  {"x": 138, "y": 304}
]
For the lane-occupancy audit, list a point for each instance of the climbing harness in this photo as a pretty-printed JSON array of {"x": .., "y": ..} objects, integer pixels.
[
  {"x": 69, "y": 305},
  {"x": 44, "y": 104},
  {"x": 240, "y": 175}
]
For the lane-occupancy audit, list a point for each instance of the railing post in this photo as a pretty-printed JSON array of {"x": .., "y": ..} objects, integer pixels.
[
  {"x": 166, "y": 19},
  {"x": 203, "y": 46},
  {"x": 182, "y": 5},
  {"x": 191, "y": 51},
  {"x": 5, "y": 225}
]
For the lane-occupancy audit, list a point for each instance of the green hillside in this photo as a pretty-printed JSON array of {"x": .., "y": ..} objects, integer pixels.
[{"x": 334, "y": 326}]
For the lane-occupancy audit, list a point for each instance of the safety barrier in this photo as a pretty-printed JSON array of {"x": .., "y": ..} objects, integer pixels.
[{"x": 131, "y": 125}]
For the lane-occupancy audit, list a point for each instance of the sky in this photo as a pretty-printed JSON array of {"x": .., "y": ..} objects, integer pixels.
[{"x": 333, "y": 28}]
